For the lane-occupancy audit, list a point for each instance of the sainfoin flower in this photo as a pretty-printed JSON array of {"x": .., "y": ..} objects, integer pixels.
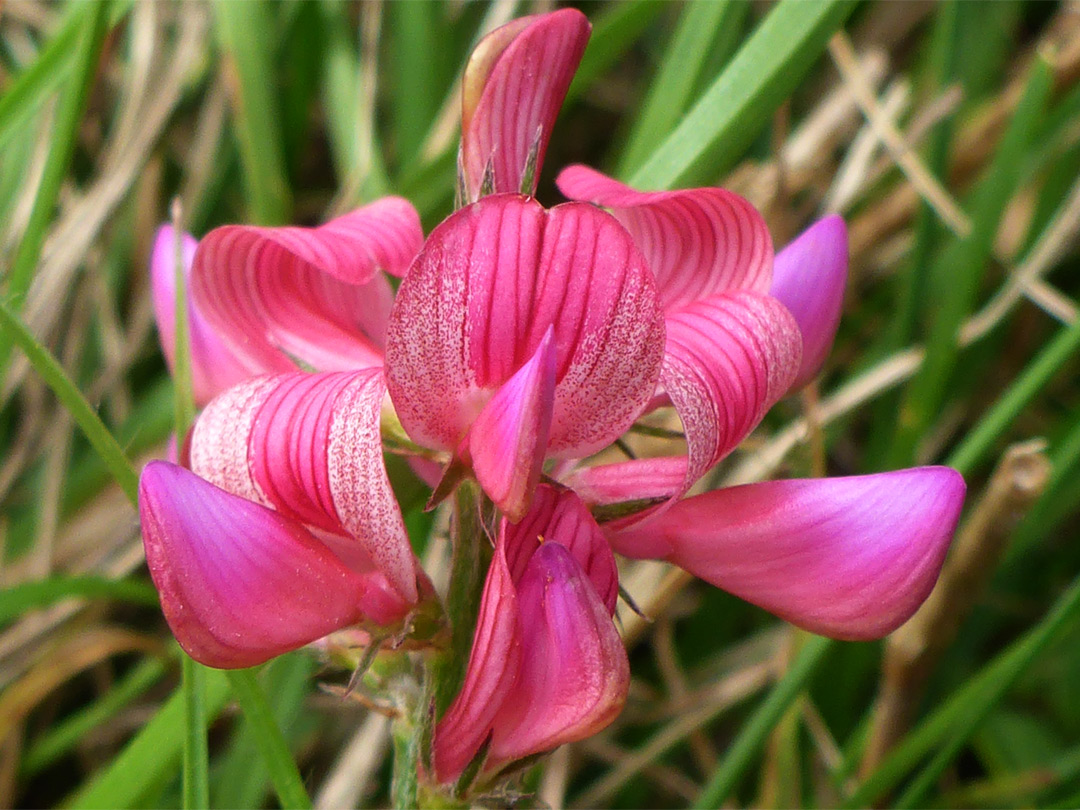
[
  {"x": 522, "y": 341},
  {"x": 547, "y": 665}
]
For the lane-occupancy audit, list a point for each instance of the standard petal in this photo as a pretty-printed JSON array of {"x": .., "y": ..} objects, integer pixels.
[
  {"x": 509, "y": 439},
  {"x": 214, "y": 367},
  {"x": 514, "y": 85},
  {"x": 574, "y": 673},
  {"x": 850, "y": 557},
  {"x": 313, "y": 294},
  {"x": 559, "y": 516},
  {"x": 698, "y": 241},
  {"x": 240, "y": 583},
  {"x": 308, "y": 445},
  {"x": 492, "y": 672},
  {"x": 809, "y": 277},
  {"x": 482, "y": 294},
  {"x": 728, "y": 359}
]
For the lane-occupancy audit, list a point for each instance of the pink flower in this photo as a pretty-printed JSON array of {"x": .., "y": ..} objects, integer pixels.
[
  {"x": 846, "y": 557},
  {"x": 521, "y": 334},
  {"x": 547, "y": 665},
  {"x": 214, "y": 367},
  {"x": 514, "y": 84},
  {"x": 286, "y": 529}
]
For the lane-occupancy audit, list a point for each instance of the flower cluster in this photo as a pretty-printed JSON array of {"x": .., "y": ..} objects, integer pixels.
[{"x": 521, "y": 342}]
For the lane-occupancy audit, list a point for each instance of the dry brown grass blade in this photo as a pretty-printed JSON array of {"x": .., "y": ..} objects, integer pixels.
[
  {"x": 68, "y": 657},
  {"x": 915, "y": 648},
  {"x": 82, "y": 221},
  {"x": 921, "y": 179},
  {"x": 731, "y": 690}
]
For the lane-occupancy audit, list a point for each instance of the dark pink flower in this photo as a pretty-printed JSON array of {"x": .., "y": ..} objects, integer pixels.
[
  {"x": 319, "y": 296},
  {"x": 547, "y": 665},
  {"x": 521, "y": 334},
  {"x": 214, "y": 366},
  {"x": 514, "y": 84},
  {"x": 286, "y": 529}
]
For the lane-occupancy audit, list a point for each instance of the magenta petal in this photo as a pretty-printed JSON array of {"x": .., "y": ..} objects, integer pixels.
[
  {"x": 240, "y": 583},
  {"x": 574, "y": 673},
  {"x": 491, "y": 673},
  {"x": 698, "y": 241},
  {"x": 640, "y": 479},
  {"x": 514, "y": 85},
  {"x": 559, "y": 516},
  {"x": 729, "y": 358},
  {"x": 308, "y": 445},
  {"x": 509, "y": 438},
  {"x": 475, "y": 306},
  {"x": 809, "y": 277},
  {"x": 851, "y": 557},
  {"x": 214, "y": 367},
  {"x": 316, "y": 294}
]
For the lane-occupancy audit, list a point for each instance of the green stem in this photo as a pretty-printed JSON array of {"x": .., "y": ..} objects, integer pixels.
[
  {"x": 72, "y": 399},
  {"x": 284, "y": 775},
  {"x": 196, "y": 780}
]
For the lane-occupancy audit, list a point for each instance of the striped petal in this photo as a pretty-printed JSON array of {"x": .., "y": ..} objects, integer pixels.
[
  {"x": 547, "y": 665},
  {"x": 560, "y": 516},
  {"x": 509, "y": 439},
  {"x": 487, "y": 286},
  {"x": 492, "y": 672},
  {"x": 214, "y": 366},
  {"x": 316, "y": 295},
  {"x": 729, "y": 358},
  {"x": 308, "y": 446},
  {"x": 240, "y": 583},
  {"x": 514, "y": 85},
  {"x": 850, "y": 557},
  {"x": 625, "y": 481},
  {"x": 574, "y": 674},
  {"x": 698, "y": 241},
  {"x": 809, "y": 277}
]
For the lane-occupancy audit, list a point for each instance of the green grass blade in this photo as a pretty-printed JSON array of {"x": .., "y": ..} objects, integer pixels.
[
  {"x": 957, "y": 274},
  {"x": 414, "y": 28},
  {"x": 244, "y": 31},
  {"x": 242, "y": 779},
  {"x": 92, "y": 24},
  {"x": 673, "y": 86},
  {"x": 25, "y": 95},
  {"x": 990, "y": 427},
  {"x": 65, "y": 735},
  {"x": 152, "y": 757},
  {"x": 196, "y": 758},
  {"x": 84, "y": 415},
  {"x": 953, "y": 723},
  {"x": 740, "y": 102},
  {"x": 275, "y": 751},
  {"x": 16, "y": 600},
  {"x": 756, "y": 731}
]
